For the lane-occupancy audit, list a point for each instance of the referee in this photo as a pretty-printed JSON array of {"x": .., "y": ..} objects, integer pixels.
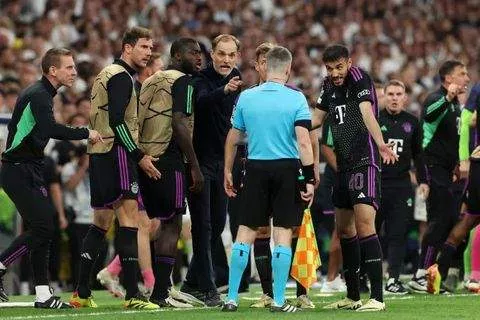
[
  {"x": 31, "y": 127},
  {"x": 272, "y": 115}
]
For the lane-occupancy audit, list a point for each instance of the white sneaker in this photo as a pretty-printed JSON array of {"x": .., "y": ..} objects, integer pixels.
[
  {"x": 24, "y": 288},
  {"x": 177, "y": 304},
  {"x": 345, "y": 303},
  {"x": 337, "y": 285},
  {"x": 304, "y": 302},
  {"x": 372, "y": 305},
  {"x": 111, "y": 283}
]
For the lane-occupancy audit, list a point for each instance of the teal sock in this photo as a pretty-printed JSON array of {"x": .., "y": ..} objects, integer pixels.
[
  {"x": 239, "y": 260},
  {"x": 281, "y": 260}
]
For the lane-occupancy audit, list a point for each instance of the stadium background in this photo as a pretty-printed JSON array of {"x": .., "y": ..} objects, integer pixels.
[{"x": 402, "y": 39}]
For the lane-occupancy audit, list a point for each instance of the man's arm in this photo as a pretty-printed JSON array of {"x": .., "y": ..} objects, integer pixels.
[
  {"x": 329, "y": 156},
  {"x": 417, "y": 155},
  {"x": 374, "y": 129},
  {"x": 436, "y": 105},
  {"x": 234, "y": 137},
  {"x": 316, "y": 155},
  {"x": 318, "y": 117},
  {"x": 206, "y": 97},
  {"x": 43, "y": 114}
]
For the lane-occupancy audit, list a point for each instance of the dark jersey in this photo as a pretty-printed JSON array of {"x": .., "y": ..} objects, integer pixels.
[
  {"x": 33, "y": 124},
  {"x": 404, "y": 131},
  {"x": 440, "y": 130},
  {"x": 354, "y": 146},
  {"x": 473, "y": 104}
]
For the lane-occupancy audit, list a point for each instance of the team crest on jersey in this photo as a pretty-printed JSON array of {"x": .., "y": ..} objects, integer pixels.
[
  {"x": 134, "y": 188},
  {"x": 407, "y": 127}
]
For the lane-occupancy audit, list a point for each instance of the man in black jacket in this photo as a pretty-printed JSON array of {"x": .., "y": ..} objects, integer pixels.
[
  {"x": 31, "y": 127},
  {"x": 217, "y": 88}
]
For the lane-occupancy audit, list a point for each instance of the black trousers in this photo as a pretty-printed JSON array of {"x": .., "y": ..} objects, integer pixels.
[
  {"x": 395, "y": 213},
  {"x": 208, "y": 211},
  {"x": 442, "y": 214},
  {"x": 24, "y": 184}
]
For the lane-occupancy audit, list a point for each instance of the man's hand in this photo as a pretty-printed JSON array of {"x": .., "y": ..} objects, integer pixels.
[
  {"x": 228, "y": 185},
  {"x": 197, "y": 179},
  {"x": 94, "y": 136},
  {"x": 62, "y": 222},
  {"x": 233, "y": 85},
  {"x": 452, "y": 91},
  {"x": 386, "y": 151},
  {"x": 464, "y": 169},
  {"x": 307, "y": 195},
  {"x": 147, "y": 165},
  {"x": 316, "y": 171},
  {"x": 424, "y": 190}
]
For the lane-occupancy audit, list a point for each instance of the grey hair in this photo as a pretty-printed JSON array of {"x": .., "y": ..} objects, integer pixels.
[{"x": 278, "y": 59}]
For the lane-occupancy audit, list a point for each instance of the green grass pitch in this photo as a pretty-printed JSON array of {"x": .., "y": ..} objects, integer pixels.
[{"x": 425, "y": 307}]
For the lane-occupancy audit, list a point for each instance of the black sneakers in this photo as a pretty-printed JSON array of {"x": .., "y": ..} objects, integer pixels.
[
  {"x": 285, "y": 308},
  {"x": 394, "y": 286},
  {"x": 52, "y": 303},
  {"x": 212, "y": 299},
  {"x": 3, "y": 294},
  {"x": 230, "y": 306}
]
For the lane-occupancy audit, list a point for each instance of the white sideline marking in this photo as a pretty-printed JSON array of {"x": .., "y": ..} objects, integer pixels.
[{"x": 94, "y": 314}]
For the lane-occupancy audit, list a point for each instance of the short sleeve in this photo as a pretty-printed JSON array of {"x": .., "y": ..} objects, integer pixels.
[
  {"x": 237, "y": 117},
  {"x": 473, "y": 101},
  {"x": 182, "y": 95},
  {"x": 363, "y": 89},
  {"x": 303, "y": 112}
]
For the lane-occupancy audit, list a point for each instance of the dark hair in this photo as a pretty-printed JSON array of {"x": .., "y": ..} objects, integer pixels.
[
  {"x": 447, "y": 67},
  {"x": 132, "y": 35},
  {"x": 52, "y": 58},
  {"x": 335, "y": 52},
  {"x": 263, "y": 49},
  {"x": 181, "y": 45}
]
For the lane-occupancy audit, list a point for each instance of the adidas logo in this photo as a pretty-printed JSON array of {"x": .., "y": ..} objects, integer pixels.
[
  {"x": 383, "y": 128},
  {"x": 86, "y": 255},
  {"x": 333, "y": 95},
  {"x": 361, "y": 196}
]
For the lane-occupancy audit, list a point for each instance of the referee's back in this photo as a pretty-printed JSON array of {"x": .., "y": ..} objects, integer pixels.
[{"x": 268, "y": 114}]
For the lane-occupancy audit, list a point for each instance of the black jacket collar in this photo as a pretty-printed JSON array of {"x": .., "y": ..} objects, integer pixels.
[
  {"x": 126, "y": 66},
  {"x": 49, "y": 86}
]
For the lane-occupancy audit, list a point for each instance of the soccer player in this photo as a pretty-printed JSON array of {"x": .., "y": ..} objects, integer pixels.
[
  {"x": 108, "y": 276},
  {"x": 113, "y": 167},
  {"x": 471, "y": 218},
  {"x": 166, "y": 107},
  {"x": 272, "y": 115},
  {"x": 403, "y": 130},
  {"x": 30, "y": 129},
  {"x": 440, "y": 144},
  {"x": 216, "y": 90},
  {"x": 348, "y": 95}
]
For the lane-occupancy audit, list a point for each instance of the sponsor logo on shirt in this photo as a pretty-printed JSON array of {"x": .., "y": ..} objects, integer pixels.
[{"x": 363, "y": 93}]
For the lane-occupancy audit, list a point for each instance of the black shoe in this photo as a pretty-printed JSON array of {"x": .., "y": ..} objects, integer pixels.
[
  {"x": 364, "y": 284},
  {"x": 212, "y": 299},
  {"x": 3, "y": 294},
  {"x": 394, "y": 286},
  {"x": 229, "y": 306},
  {"x": 285, "y": 308},
  {"x": 52, "y": 303}
]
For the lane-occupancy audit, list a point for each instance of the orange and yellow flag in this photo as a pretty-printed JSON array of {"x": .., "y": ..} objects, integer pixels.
[{"x": 306, "y": 259}]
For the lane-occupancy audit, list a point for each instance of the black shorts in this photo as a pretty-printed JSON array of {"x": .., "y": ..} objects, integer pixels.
[
  {"x": 271, "y": 184},
  {"x": 360, "y": 185},
  {"x": 472, "y": 195},
  {"x": 163, "y": 198},
  {"x": 113, "y": 176}
]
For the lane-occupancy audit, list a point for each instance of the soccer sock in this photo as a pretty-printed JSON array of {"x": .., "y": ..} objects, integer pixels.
[
  {"x": 2, "y": 266},
  {"x": 300, "y": 288},
  {"x": 128, "y": 252},
  {"x": 238, "y": 263},
  {"x": 162, "y": 269},
  {"x": 281, "y": 261},
  {"x": 42, "y": 293},
  {"x": 148, "y": 278},
  {"x": 263, "y": 261},
  {"x": 476, "y": 255},
  {"x": 91, "y": 246},
  {"x": 467, "y": 256},
  {"x": 115, "y": 267},
  {"x": 17, "y": 249},
  {"x": 445, "y": 258},
  {"x": 351, "y": 266},
  {"x": 371, "y": 252}
]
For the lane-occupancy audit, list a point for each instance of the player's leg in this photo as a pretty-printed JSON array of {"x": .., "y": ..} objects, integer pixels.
[
  {"x": 396, "y": 233},
  {"x": 263, "y": 261},
  {"x": 475, "y": 261},
  {"x": 144, "y": 256}
]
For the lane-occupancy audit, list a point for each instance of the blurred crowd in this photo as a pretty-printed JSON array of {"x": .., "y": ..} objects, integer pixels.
[
  {"x": 402, "y": 39},
  {"x": 405, "y": 39}
]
